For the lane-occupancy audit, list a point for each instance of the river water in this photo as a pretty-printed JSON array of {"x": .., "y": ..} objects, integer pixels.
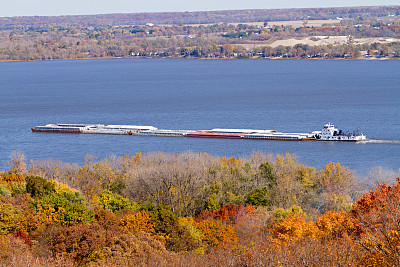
[{"x": 285, "y": 95}]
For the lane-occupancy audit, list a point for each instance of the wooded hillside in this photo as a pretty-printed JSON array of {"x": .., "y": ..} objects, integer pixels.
[
  {"x": 203, "y": 17},
  {"x": 194, "y": 210},
  {"x": 364, "y": 32}
]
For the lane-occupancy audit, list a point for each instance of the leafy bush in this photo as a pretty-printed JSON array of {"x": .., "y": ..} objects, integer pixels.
[
  {"x": 11, "y": 183},
  {"x": 228, "y": 214},
  {"x": 135, "y": 249},
  {"x": 9, "y": 219},
  {"x": 178, "y": 238},
  {"x": 12, "y": 177},
  {"x": 72, "y": 195},
  {"x": 17, "y": 187},
  {"x": 81, "y": 242},
  {"x": 39, "y": 187},
  {"x": 58, "y": 208},
  {"x": 259, "y": 197},
  {"x": 114, "y": 202},
  {"x": 138, "y": 222},
  {"x": 215, "y": 233},
  {"x": 4, "y": 189},
  {"x": 284, "y": 213}
]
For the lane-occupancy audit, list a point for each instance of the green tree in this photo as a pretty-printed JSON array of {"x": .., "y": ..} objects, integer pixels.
[
  {"x": 39, "y": 187},
  {"x": 178, "y": 238},
  {"x": 114, "y": 202}
]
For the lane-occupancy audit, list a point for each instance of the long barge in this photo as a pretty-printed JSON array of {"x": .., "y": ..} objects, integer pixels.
[{"x": 328, "y": 133}]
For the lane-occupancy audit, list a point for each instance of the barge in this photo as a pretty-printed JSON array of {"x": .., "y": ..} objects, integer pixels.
[
  {"x": 210, "y": 134},
  {"x": 60, "y": 128},
  {"x": 328, "y": 133},
  {"x": 166, "y": 133}
]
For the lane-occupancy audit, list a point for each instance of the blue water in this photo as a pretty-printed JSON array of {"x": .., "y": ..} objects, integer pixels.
[{"x": 285, "y": 95}]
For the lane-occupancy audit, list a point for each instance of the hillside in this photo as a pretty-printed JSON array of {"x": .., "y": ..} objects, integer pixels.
[
  {"x": 159, "y": 209},
  {"x": 284, "y": 33},
  {"x": 203, "y": 17}
]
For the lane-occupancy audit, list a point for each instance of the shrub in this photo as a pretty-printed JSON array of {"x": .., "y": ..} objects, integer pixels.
[
  {"x": 215, "y": 233},
  {"x": 72, "y": 195},
  {"x": 11, "y": 183},
  {"x": 39, "y": 187},
  {"x": 4, "y": 189},
  {"x": 166, "y": 224},
  {"x": 12, "y": 177},
  {"x": 227, "y": 214},
  {"x": 284, "y": 213},
  {"x": 135, "y": 249},
  {"x": 138, "y": 222},
  {"x": 114, "y": 202},
  {"x": 259, "y": 197},
  {"x": 59, "y": 209},
  {"x": 80, "y": 242},
  {"x": 9, "y": 219}
]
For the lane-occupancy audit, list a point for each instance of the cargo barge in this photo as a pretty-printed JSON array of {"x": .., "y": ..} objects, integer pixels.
[
  {"x": 60, "y": 128},
  {"x": 165, "y": 133},
  {"x": 328, "y": 133},
  {"x": 210, "y": 134}
]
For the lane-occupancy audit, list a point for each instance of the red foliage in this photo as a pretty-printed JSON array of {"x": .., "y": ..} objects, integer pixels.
[
  {"x": 376, "y": 218},
  {"x": 24, "y": 237},
  {"x": 229, "y": 214},
  {"x": 377, "y": 200}
]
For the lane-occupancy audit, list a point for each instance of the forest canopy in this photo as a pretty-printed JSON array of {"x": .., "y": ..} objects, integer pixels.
[{"x": 195, "y": 209}]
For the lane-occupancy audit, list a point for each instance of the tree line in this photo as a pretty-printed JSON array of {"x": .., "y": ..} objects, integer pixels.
[
  {"x": 53, "y": 38},
  {"x": 204, "y": 17},
  {"x": 193, "y": 209}
]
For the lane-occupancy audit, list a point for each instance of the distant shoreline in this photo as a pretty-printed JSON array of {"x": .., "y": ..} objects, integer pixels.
[{"x": 215, "y": 58}]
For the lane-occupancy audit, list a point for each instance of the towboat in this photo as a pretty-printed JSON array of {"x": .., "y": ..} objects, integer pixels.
[{"x": 330, "y": 133}]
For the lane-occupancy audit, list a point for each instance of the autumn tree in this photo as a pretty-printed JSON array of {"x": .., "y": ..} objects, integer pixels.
[{"x": 376, "y": 217}]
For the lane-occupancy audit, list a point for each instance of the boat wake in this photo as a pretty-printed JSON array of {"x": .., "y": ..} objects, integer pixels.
[{"x": 397, "y": 142}]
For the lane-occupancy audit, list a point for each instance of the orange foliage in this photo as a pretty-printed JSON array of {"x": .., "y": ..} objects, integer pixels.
[
  {"x": 376, "y": 217},
  {"x": 293, "y": 228},
  {"x": 47, "y": 214},
  {"x": 215, "y": 234},
  {"x": 377, "y": 200},
  {"x": 139, "y": 222},
  {"x": 12, "y": 177},
  {"x": 334, "y": 224}
]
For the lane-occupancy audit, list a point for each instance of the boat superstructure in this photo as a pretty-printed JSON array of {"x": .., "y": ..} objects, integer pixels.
[{"x": 328, "y": 133}]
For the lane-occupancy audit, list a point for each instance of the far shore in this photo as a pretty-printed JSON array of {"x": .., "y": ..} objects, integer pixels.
[{"x": 210, "y": 58}]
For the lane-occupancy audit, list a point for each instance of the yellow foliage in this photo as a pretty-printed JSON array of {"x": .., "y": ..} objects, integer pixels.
[
  {"x": 138, "y": 157},
  {"x": 232, "y": 162},
  {"x": 334, "y": 224},
  {"x": 189, "y": 224},
  {"x": 307, "y": 176},
  {"x": 216, "y": 234},
  {"x": 336, "y": 176},
  {"x": 61, "y": 188},
  {"x": 292, "y": 228}
]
